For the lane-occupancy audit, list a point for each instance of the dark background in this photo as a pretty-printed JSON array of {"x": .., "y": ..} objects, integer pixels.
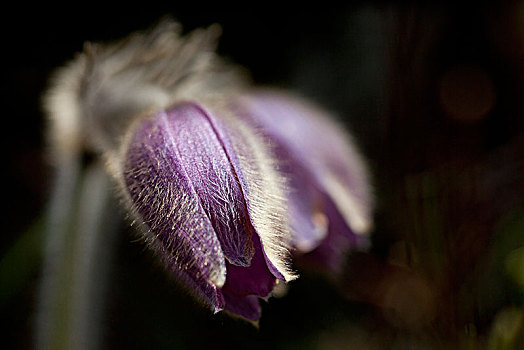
[{"x": 432, "y": 94}]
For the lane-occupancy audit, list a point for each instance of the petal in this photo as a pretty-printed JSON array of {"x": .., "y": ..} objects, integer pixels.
[
  {"x": 320, "y": 146},
  {"x": 306, "y": 206},
  {"x": 161, "y": 177},
  {"x": 213, "y": 178},
  {"x": 262, "y": 185},
  {"x": 245, "y": 306},
  {"x": 255, "y": 279}
]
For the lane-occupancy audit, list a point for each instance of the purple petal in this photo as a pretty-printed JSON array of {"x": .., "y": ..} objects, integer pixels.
[
  {"x": 245, "y": 306},
  {"x": 262, "y": 186},
  {"x": 212, "y": 176},
  {"x": 320, "y": 146},
  {"x": 306, "y": 208},
  {"x": 255, "y": 279},
  {"x": 181, "y": 186}
]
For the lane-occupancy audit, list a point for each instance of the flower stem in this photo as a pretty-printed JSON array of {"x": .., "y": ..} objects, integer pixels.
[{"x": 80, "y": 240}]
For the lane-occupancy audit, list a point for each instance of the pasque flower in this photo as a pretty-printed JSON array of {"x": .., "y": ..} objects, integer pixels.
[
  {"x": 223, "y": 183},
  {"x": 200, "y": 183},
  {"x": 210, "y": 204}
]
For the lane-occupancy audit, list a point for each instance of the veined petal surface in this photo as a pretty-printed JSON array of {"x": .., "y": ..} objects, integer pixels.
[
  {"x": 262, "y": 184},
  {"x": 180, "y": 183}
]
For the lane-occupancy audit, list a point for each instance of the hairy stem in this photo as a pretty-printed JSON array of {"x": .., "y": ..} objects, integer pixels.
[{"x": 80, "y": 239}]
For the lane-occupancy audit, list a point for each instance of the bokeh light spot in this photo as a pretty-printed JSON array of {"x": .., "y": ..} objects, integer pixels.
[{"x": 466, "y": 94}]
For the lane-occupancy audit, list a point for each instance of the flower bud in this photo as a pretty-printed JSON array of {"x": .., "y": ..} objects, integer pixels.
[{"x": 184, "y": 182}]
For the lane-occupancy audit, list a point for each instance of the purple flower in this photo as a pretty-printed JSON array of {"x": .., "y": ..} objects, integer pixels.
[
  {"x": 221, "y": 183},
  {"x": 210, "y": 204},
  {"x": 330, "y": 200}
]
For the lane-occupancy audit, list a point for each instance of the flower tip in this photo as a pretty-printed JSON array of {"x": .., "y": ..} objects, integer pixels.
[
  {"x": 218, "y": 278},
  {"x": 217, "y": 309},
  {"x": 361, "y": 226},
  {"x": 356, "y": 212},
  {"x": 291, "y": 276}
]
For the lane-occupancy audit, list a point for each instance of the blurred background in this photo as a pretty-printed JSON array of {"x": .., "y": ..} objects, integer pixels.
[{"x": 433, "y": 95}]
